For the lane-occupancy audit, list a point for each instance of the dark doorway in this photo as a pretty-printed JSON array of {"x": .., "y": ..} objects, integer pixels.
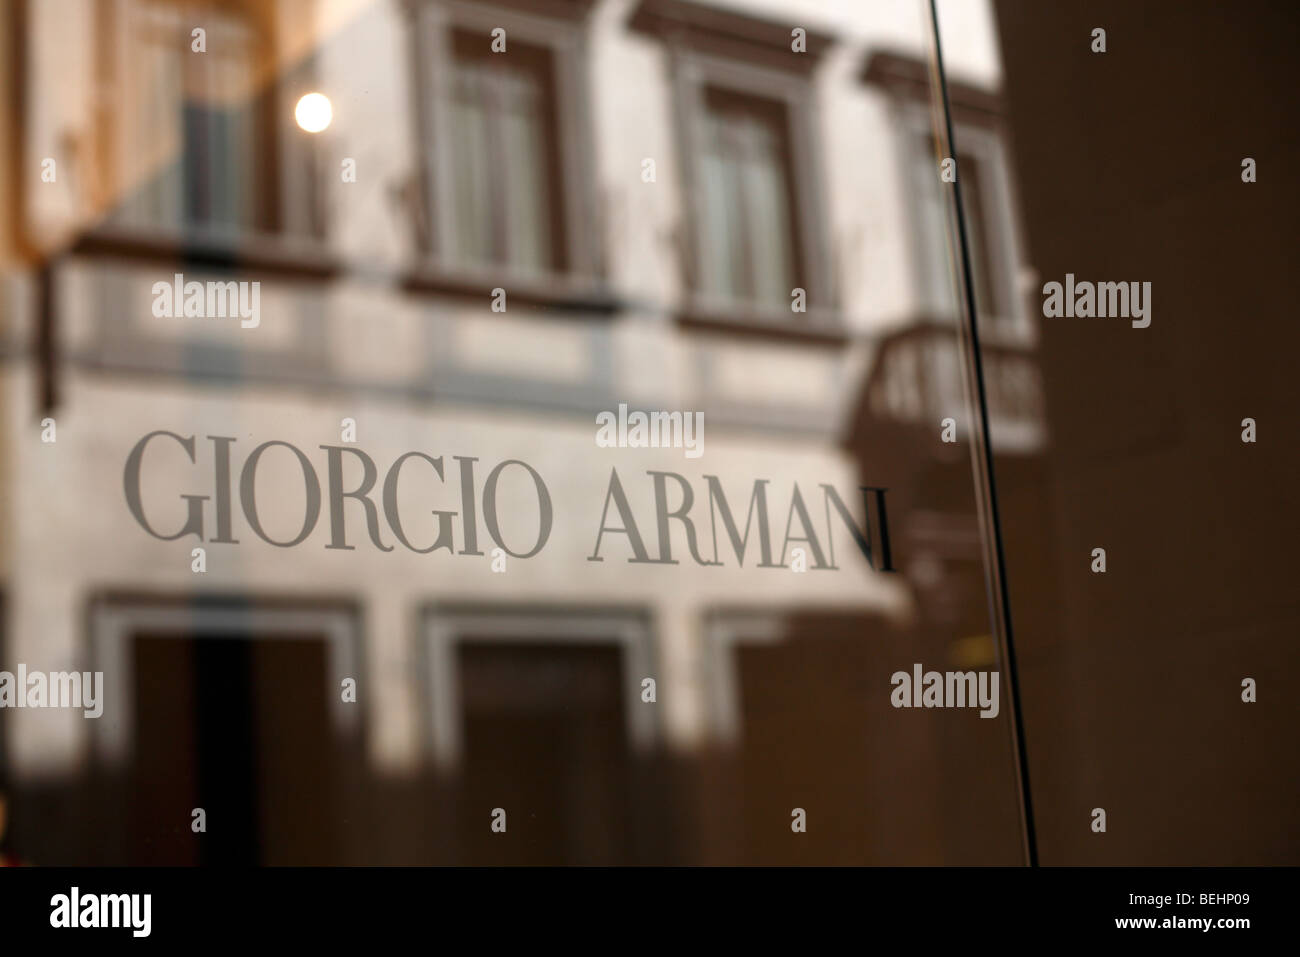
[
  {"x": 237, "y": 725},
  {"x": 545, "y": 740}
]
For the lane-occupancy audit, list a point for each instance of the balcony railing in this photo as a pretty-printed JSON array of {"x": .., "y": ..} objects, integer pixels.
[{"x": 917, "y": 381}]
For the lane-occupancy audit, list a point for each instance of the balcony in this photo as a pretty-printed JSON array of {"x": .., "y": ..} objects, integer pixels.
[{"x": 918, "y": 380}]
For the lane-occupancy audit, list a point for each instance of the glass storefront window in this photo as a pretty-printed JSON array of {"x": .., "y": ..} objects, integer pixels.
[{"x": 566, "y": 455}]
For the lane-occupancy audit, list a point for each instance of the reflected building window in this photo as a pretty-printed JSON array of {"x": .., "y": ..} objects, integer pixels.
[
  {"x": 504, "y": 157},
  {"x": 984, "y": 232},
  {"x": 746, "y": 111},
  {"x": 191, "y": 137},
  {"x": 503, "y": 128},
  {"x": 747, "y": 249},
  {"x": 983, "y": 172}
]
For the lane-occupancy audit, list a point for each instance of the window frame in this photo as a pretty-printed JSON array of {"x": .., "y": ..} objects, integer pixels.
[
  {"x": 721, "y": 108},
  {"x": 724, "y": 629},
  {"x": 1002, "y": 247},
  {"x": 708, "y": 48},
  {"x": 445, "y": 626},
  {"x": 695, "y": 74},
  {"x": 114, "y": 620},
  {"x": 503, "y": 235},
  {"x": 559, "y": 30},
  {"x": 979, "y": 129},
  {"x": 290, "y": 235},
  {"x": 115, "y": 43}
]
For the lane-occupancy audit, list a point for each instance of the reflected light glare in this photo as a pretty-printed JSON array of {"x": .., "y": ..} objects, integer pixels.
[{"x": 314, "y": 112}]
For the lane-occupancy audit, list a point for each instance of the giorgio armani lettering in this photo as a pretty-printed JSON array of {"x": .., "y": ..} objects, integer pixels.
[{"x": 219, "y": 486}]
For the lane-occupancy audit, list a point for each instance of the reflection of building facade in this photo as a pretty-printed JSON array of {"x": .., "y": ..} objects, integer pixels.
[{"x": 644, "y": 189}]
